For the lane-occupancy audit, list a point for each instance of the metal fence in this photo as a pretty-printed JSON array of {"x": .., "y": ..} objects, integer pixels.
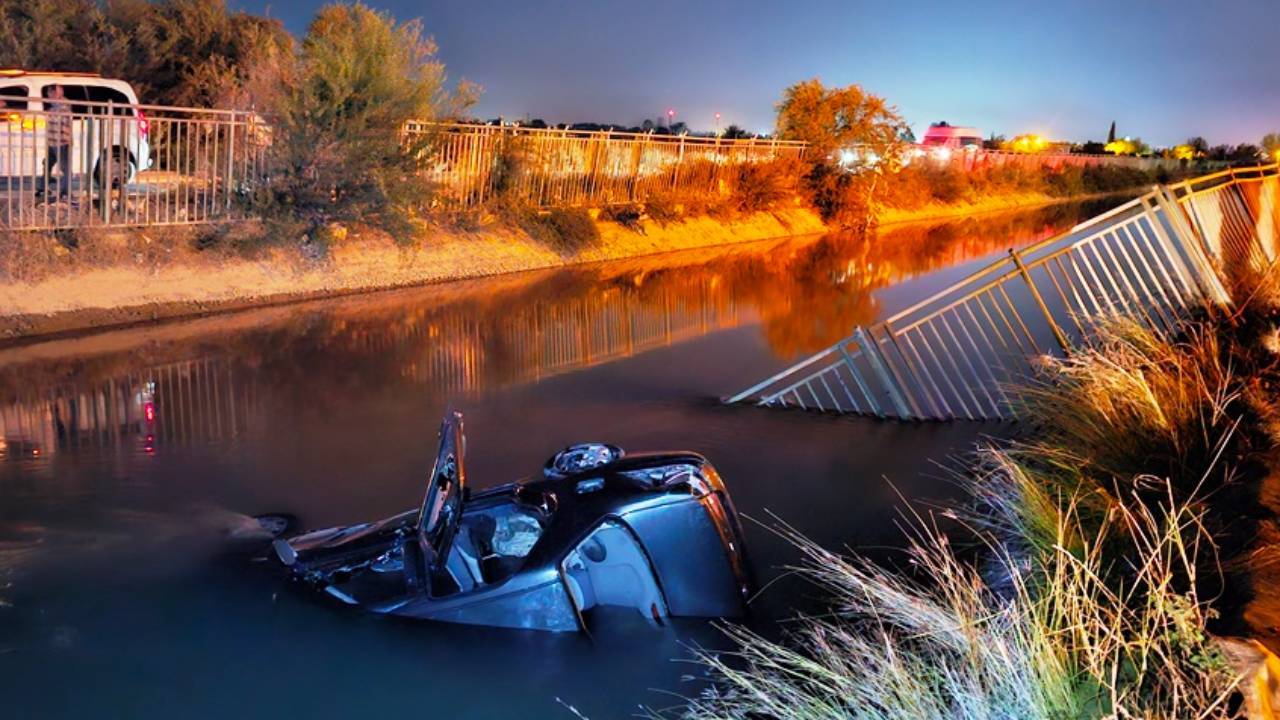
[
  {"x": 128, "y": 165},
  {"x": 981, "y": 159},
  {"x": 141, "y": 165},
  {"x": 958, "y": 353},
  {"x": 558, "y": 168}
]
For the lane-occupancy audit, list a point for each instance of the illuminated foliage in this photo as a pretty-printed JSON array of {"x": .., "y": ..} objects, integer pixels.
[
  {"x": 1271, "y": 145},
  {"x": 1029, "y": 143},
  {"x": 831, "y": 119},
  {"x": 174, "y": 52},
  {"x": 1127, "y": 146}
]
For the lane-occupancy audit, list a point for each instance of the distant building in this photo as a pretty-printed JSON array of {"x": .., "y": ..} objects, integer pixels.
[{"x": 945, "y": 135}]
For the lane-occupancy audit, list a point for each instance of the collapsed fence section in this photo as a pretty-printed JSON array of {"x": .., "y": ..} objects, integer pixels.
[
  {"x": 960, "y": 352},
  {"x": 106, "y": 164}
]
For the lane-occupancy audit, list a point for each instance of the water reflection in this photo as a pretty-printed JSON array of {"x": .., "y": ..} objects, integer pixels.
[{"x": 203, "y": 381}]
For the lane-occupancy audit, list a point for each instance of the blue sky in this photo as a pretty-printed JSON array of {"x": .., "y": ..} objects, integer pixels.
[{"x": 1161, "y": 70}]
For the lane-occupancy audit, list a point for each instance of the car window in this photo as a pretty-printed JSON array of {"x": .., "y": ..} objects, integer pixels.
[
  {"x": 13, "y": 97},
  {"x": 100, "y": 94},
  {"x": 72, "y": 93}
]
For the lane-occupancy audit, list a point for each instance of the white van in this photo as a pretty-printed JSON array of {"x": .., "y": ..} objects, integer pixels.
[
  {"x": 22, "y": 124},
  {"x": 952, "y": 137}
]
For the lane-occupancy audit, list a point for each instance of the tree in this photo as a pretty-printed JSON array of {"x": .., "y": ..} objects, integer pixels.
[
  {"x": 853, "y": 136},
  {"x": 1128, "y": 146},
  {"x": 734, "y": 132},
  {"x": 1111, "y": 134},
  {"x": 174, "y": 52},
  {"x": 831, "y": 119},
  {"x": 1198, "y": 145},
  {"x": 1271, "y": 145},
  {"x": 1245, "y": 153},
  {"x": 360, "y": 77}
]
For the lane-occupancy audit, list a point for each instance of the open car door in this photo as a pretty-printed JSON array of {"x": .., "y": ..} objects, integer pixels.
[{"x": 441, "y": 507}]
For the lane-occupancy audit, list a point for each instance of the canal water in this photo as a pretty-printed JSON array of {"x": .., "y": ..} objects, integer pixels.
[{"x": 126, "y": 456}]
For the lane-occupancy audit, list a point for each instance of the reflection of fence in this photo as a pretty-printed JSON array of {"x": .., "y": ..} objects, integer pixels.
[
  {"x": 127, "y": 165},
  {"x": 567, "y": 168},
  {"x": 183, "y": 402},
  {"x": 543, "y": 338},
  {"x": 1154, "y": 259}
]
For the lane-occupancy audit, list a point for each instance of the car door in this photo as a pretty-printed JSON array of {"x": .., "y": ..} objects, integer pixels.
[{"x": 124, "y": 127}]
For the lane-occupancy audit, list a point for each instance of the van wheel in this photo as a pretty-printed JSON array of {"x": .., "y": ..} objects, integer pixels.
[{"x": 123, "y": 168}]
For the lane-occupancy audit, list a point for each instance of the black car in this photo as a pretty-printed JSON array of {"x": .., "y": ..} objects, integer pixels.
[{"x": 655, "y": 532}]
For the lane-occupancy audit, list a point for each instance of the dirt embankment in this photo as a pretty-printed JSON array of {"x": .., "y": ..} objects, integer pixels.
[
  {"x": 138, "y": 287},
  {"x": 140, "y": 280}
]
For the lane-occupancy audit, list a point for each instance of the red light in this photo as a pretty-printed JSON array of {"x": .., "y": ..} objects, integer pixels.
[
  {"x": 144, "y": 127},
  {"x": 149, "y": 411},
  {"x": 35, "y": 451}
]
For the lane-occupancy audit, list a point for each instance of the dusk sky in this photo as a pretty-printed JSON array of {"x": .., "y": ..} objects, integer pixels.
[{"x": 1161, "y": 70}]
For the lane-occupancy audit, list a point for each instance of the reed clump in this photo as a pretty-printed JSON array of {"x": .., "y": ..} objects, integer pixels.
[
  {"x": 1085, "y": 572},
  {"x": 1057, "y": 638}
]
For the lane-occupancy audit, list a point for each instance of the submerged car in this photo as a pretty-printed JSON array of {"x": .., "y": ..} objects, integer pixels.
[{"x": 655, "y": 532}]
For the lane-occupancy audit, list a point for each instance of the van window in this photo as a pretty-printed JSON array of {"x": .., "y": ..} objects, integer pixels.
[
  {"x": 13, "y": 97},
  {"x": 73, "y": 93},
  {"x": 100, "y": 94}
]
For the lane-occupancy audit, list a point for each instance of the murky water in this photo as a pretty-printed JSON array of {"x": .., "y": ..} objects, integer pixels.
[{"x": 127, "y": 455}]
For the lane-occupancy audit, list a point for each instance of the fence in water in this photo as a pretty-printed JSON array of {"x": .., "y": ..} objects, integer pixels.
[{"x": 957, "y": 353}]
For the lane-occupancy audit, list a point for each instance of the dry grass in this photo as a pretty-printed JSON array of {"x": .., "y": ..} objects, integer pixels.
[
  {"x": 1135, "y": 403},
  {"x": 1095, "y": 540},
  {"x": 1061, "y": 639}
]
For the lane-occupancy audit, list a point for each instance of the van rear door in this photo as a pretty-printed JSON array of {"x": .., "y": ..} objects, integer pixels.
[{"x": 18, "y": 156}]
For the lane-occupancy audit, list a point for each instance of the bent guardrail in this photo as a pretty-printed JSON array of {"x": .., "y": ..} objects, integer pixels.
[{"x": 956, "y": 353}]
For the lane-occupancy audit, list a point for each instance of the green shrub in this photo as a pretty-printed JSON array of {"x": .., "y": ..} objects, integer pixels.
[
  {"x": 948, "y": 184},
  {"x": 763, "y": 186},
  {"x": 572, "y": 229},
  {"x": 625, "y": 214},
  {"x": 340, "y": 152},
  {"x": 566, "y": 230},
  {"x": 662, "y": 208}
]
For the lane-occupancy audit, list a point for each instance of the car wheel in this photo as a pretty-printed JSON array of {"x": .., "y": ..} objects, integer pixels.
[{"x": 123, "y": 167}]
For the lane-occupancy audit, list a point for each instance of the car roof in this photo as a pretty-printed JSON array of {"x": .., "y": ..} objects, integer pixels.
[
  {"x": 47, "y": 77},
  {"x": 19, "y": 72}
]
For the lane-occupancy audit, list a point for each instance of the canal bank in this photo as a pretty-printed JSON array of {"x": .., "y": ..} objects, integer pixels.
[
  {"x": 326, "y": 409},
  {"x": 127, "y": 278}
]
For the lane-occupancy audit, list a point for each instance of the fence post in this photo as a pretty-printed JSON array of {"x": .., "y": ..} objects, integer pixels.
[
  {"x": 878, "y": 364},
  {"x": 675, "y": 176},
  {"x": 1035, "y": 293},
  {"x": 636, "y": 154},
  {"x": 106, "y": 156},
  {"x": 231, "y": 163},
  {"x": 1194, "y": 247}
]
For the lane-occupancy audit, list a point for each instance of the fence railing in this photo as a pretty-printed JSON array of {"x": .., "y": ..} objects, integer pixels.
[
  {"x": 140, "y": 165},
  {"x": 126, "y": 165},
  {"x": 959, "y": 352},
  {"x": 558, "y": 168},
  {"x": 981, "y": 159}
]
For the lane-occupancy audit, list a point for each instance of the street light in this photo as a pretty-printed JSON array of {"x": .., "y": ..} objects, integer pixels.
[
  {"x": 717, "y": 124},
  {"x": 671, "y": 115}
]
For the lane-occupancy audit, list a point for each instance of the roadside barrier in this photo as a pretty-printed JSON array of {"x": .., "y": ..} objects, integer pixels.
[
  {"x": 127, "y": 165},
  {"x": 957, "y": 353}
]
